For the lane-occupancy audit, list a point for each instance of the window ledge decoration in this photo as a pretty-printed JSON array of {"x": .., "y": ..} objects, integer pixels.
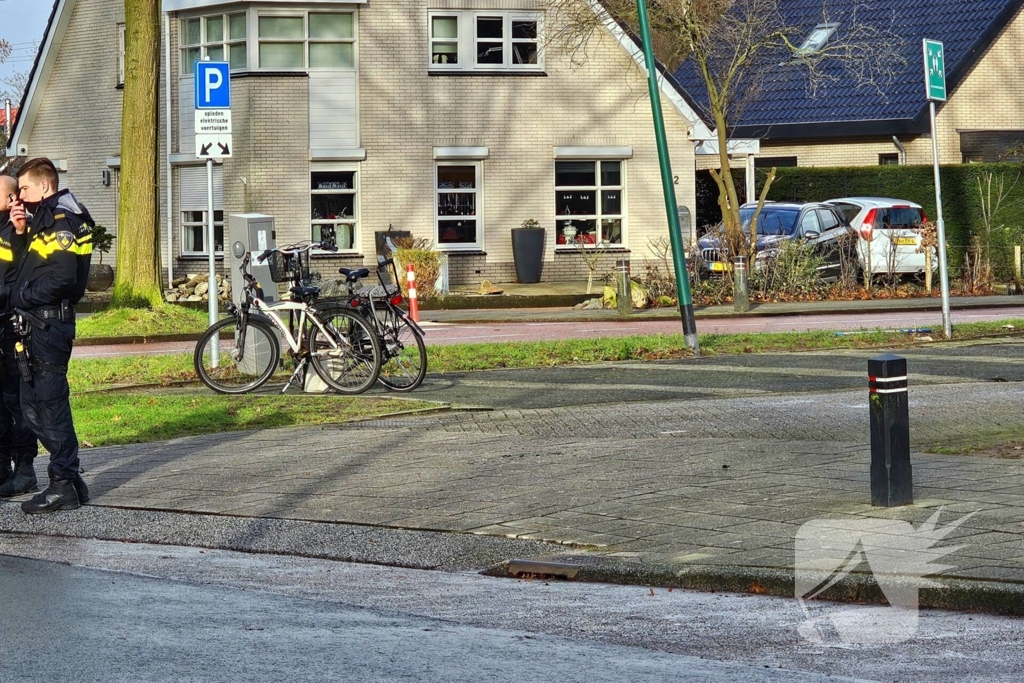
[
  {"x": 452, "y": 153},
  {"x": 589, "y": 152},
  {"x": 350, "y": 154}
]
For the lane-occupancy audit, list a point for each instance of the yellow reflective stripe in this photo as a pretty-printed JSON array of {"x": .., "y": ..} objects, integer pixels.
[
  {"x": 6, "y": 254},
  {"x": 59, "y": 216},
  {"x": 45, "y": 250}
]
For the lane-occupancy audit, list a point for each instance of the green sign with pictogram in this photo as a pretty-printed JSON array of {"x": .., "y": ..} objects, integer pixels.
[{"x": 934, "y": 70}]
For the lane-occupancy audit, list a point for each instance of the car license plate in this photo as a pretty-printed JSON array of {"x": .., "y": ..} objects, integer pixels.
[
  {"x": 906, "y": 241},
  {"x": 717, "y": 267}
]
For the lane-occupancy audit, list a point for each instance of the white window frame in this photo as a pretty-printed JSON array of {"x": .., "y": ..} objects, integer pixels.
[
  {"x": 186, "y": 65},
  {"x": 479, "y": 216},
  {"x": 467, "y": 41},
  {"x": 817, "y": 38},
  {"x": 600, "y": 216},
  {"x": 120, "y": 53},
  {"x": 354, "y": 220},
  {"x": 306, "y": 41},
  {"x": 190, "y": 225}
]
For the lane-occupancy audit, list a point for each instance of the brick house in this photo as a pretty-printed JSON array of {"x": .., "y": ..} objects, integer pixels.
[
  {"x": 844, "y": 125},
  {"x": 449, "y": 118}
]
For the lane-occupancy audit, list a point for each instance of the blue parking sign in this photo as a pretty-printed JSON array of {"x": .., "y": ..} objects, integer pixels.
[{"x": 213, "y": 85}]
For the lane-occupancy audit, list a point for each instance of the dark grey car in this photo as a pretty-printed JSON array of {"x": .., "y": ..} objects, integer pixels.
[{"x": 820, "y": 225}]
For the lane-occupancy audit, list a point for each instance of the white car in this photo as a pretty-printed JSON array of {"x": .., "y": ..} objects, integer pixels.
[{"x": 889, "y": 240}]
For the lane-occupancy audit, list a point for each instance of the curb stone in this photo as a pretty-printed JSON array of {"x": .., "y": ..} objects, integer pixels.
[{"x": 956, "y": 594}]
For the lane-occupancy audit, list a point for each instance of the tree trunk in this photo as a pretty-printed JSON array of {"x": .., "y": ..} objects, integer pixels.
[{"x": 138, "y": 255}]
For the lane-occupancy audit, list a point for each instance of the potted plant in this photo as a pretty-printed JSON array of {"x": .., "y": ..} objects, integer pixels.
[
  {"x": 100, "y": 276},
  {"x": 528, "y": 251}
]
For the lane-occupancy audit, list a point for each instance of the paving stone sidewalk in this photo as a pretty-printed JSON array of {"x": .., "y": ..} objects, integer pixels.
[{"x": 721, "y": 483}]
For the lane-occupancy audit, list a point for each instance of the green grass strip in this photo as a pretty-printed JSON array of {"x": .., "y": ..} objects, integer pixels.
[
  {"x": 141, "y": 417},
  {"x": 134, "y": 322}
]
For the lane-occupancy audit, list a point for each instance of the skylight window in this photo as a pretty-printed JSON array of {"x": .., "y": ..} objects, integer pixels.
[{"x": 819, "y": 36}]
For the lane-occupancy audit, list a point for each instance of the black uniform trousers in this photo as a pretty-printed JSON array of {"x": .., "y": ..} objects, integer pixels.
[
  {"x": 15, "y": 436},
  {"x": 45, "y": 401}
]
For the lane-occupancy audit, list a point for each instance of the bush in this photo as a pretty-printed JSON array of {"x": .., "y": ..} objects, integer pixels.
[
  {"x": 791, "y": 273},
  {"x": 426, "y": 263}
]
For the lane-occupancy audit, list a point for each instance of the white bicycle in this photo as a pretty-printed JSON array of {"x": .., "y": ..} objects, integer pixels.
[{"x": 243, "y": 351}]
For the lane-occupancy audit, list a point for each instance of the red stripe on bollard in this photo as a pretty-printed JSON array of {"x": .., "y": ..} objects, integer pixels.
[{"x": 414, "y": 306}]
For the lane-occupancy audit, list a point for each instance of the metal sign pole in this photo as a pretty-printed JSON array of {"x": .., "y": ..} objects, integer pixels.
[
  {"x": 947, "y": 323},
  {"x": 210, "y": 244},
  {"x": 935, "y": 89}
]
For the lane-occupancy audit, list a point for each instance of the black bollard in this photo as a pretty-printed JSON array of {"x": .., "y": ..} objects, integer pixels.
[{"x": 892, "y": 481}]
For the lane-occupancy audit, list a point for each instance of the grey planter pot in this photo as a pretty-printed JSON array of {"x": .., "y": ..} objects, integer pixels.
[
  {"x": 101, "y": 276},
  {"x": 528, "y": 253}
]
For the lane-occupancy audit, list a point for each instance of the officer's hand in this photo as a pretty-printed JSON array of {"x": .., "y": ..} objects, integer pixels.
[{"x": 18, "y": 217}]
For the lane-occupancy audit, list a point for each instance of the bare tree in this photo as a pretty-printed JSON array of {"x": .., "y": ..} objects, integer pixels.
[
  {"x": 736, "y": 46},
  {"x": 138, "y": 258},
  {"x": 13, "y": 86}
]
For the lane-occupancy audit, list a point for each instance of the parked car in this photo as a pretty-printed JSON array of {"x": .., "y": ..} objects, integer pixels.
[
  {"x": 820, "y": 225},
  {"x": 889, "y": 238}
]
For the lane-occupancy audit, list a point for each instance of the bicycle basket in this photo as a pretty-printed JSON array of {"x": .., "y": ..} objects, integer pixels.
[{"x": 287, "y": 267}]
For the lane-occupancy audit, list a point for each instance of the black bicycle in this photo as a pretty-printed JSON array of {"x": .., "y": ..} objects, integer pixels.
[
  {"x": 241, "y": 352},
  {"x": 403, "y": 352}
]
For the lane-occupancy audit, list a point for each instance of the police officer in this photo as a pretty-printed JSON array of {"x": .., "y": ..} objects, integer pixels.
[
  {"x": 49, "y": 281},
  {"x": 17, "y": 442}
]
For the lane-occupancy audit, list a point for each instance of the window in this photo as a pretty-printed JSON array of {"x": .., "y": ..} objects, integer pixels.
[
  {"x": 892, "y": 159},
  {"x": 334, "y": 204},
  {"x": 120, "y": 54},
  {"x": 809, "y": 223},
  {"x": 194, "y": 229},
  {"x": 589, "y": 205},
  {"x": 485, "y": 41},
  {"x": 828, "y": 219},
  {"x": 193, "y": 203},
  {"x": 457, "y": 190},
  {"x": 319, "y": 40},
  {"x": 817, "y": 39},
  {"x": 219, "y": 38}
]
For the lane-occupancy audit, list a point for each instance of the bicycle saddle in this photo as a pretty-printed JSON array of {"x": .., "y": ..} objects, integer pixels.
[
  {"x": 352, "y": 275},
  {"x": 305, "y": 291}
]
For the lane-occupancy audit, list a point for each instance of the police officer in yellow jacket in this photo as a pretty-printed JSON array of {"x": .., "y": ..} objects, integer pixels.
[
  {"x": 50, "y": 279},
  {"x": 17, "y": 442}
]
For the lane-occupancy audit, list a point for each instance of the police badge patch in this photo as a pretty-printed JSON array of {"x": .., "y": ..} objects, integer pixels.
[{"x": 65, "y": 239}]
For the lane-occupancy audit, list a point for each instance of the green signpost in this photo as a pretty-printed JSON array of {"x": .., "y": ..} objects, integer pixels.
[
  {"x": 935, "y": 87},
  {"x": 935, "y": 70}
]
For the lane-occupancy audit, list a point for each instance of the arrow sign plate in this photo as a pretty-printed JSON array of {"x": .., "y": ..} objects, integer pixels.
[{"x": 215, "y": 146}]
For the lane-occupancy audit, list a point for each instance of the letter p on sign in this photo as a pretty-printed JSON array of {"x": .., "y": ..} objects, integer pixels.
[{"x": 213, "y": 85}]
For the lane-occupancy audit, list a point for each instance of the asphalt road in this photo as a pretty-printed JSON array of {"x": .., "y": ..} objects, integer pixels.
[
  {"x": 216, "y": 615},
  {"x": 62, "y": 623},
  {"x": 723, "y": 377}
]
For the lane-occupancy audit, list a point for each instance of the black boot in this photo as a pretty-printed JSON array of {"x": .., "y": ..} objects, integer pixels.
[
  {"x": 81, "y": 489},
  {"x": 6, "y": 471},
  {"x": 59, "y": 495},
  {"x": 24, "y": 479}
]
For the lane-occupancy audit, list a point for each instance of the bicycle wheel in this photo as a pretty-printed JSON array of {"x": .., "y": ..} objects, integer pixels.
[
  {"x": 247, "y": 357},
  {"x": 350, "y": 361},
  {"x": 404, "y": 353}
]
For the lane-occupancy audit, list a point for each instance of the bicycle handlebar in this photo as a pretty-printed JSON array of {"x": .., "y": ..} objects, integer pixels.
[{"x": 296, "y": 249}]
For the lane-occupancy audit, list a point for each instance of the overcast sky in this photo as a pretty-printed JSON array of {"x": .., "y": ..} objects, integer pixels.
[{"x": 21, "y": 24}]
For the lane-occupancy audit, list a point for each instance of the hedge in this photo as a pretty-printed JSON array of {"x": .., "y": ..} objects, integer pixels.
[{"x": 960, "y": 201}]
